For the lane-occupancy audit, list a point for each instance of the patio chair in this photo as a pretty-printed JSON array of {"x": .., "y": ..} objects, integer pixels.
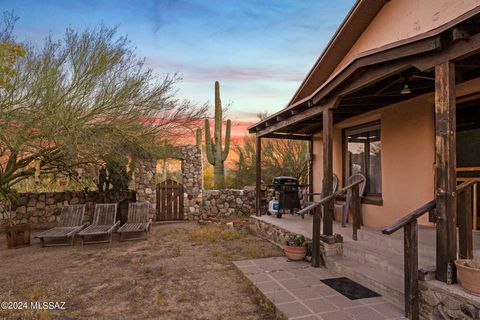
[
  {"x": 103, "y": 224},
  {"x": 348, "y": 200},
  {"x": 71, "y": 222},
  {"x": 335, "y": 187},
  {"x": 137, "y": 221}
]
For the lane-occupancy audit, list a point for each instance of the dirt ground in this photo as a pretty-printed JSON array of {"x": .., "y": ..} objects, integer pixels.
[{"x": 183, "y": 271}]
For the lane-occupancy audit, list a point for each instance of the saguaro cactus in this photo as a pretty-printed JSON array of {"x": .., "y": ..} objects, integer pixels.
[
  {"x": 215, "y": 155},
  {"x": 198, "y": 136}
]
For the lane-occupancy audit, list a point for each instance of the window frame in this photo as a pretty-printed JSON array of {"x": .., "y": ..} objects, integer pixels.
[{"x": 370, "y": 198}]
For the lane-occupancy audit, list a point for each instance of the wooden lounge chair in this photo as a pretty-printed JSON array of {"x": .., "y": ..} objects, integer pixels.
[
  {"x": 137, "y": 221},
  {"x": 103, "y": 224},
  {"x": 71, "y": 222}
]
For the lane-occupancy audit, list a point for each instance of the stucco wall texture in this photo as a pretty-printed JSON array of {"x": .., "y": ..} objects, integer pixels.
[
  {"x": 408, "y": 155},
  {"x": 403, "y": 19}
]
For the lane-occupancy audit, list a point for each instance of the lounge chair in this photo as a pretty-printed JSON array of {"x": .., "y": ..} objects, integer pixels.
[
  {"x": 71, "y": 222},
  {"x": 103, "y": 224},
  {"x": 137, "y": 221},
  {"x": 335, "y": 187}
]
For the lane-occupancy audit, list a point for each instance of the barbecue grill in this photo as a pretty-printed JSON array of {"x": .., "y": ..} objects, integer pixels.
[{"x": 287, "y": 188}]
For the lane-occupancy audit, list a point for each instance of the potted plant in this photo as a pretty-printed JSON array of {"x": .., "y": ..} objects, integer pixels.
[
  {"x": 468, "y": 274},
  {"x": 296, "y": 247},
  {"x": 18, "y": 235}
]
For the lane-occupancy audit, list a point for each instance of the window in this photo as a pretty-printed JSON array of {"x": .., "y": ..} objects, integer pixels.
[{"x": 362, "y": 154}]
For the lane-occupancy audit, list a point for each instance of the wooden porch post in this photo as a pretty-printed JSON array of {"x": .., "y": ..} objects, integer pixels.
[
  {"x": 258, "y": 176},
  {"x": 410, "y": 240},
  {"x": 310, "y": 169},
  {"x": 445, "y": 175},
  {"x": 316, "y": 254},
  {"x": 327, "y": 186}
]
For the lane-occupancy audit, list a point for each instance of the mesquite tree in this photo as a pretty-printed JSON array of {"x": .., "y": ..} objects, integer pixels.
[
  {"x": 280, "y": 157},
  {"x": 217, "y": 155},
  {"x": 80, "y": 100}
]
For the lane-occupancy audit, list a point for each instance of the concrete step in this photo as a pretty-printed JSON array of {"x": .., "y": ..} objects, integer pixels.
[
  {"x": 387, "y": 260},
  {"x": 391, "y": 242},
  {"x": 389, "y": 285},
  {"x": 376, "y": 261}
]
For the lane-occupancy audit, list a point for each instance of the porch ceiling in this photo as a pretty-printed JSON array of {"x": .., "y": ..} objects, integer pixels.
[{"x": 376, "y": 80}]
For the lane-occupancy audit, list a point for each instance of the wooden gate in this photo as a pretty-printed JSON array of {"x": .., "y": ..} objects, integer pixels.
[{"x": 169, "y": 200}]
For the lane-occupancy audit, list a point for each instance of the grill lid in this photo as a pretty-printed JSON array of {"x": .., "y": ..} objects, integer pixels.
[{"x": 281, "y": 180}]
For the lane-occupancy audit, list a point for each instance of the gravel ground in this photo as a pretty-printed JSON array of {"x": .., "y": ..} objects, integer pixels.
[{"x": 183, "y": 271}]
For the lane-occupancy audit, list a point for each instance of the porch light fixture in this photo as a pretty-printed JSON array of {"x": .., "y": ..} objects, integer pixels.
[{"x": 406, "y": 89}]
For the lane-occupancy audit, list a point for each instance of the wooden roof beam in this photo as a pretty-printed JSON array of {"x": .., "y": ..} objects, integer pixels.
[
  {"x": 299, "y": 117},
  {"x": 288, "y": 136},
  {"x": 458, "y": 50}
]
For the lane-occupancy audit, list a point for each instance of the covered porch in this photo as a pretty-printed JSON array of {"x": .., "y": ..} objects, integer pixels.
[{"x": 439, "y": 69}]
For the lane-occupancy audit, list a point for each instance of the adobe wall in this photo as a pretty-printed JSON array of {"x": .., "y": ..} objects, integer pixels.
[
  {"x": 407, "y": 158},
  {"x": 408, "y": 155}
]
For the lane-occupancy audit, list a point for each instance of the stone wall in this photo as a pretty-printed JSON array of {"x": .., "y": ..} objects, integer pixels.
[
  {"x": 146, "y": 183},
  {"x": 46, "y": 207},
  {"x": 223, "y": 203},
  {"x": 269, "y": 231},
  {"x": 280, "y": 235},
  {"x": 447, "y": 302},
  {"x": 192, "y": 180}
]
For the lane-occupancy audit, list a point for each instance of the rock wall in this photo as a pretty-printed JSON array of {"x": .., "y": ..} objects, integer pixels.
[
  {"x": 280, "y": 235},
  {"x": 146, "y": 183},
  {"x": 447, "y": 302},
  {"x": 46, "y": 207},
  {"x": 227, "y": 202},
  {"x": 270, "y": 231},
  {"x": 192, "y": 180},
  {"x": 223, "y": 203}
]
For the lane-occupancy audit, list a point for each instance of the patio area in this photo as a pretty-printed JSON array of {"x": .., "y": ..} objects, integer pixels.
[
  {"x": 375, "y": 261},
  {"x": 297, "y": 292}
]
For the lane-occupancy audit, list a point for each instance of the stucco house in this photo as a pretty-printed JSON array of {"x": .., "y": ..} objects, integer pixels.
[{"x": 395, "y": 95}]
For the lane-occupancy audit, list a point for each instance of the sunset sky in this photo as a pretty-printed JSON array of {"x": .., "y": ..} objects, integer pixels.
[{"x": 259, "y": 50}]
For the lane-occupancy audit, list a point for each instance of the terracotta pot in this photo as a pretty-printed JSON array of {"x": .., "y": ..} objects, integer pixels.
[
  {"x": 18, "y": 236},
  {"x": 295, "y": 253},
  {"x": 468, "y": 274}
]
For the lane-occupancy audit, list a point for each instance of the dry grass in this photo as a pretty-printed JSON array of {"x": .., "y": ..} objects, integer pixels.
[
  {"x": 183, "y": 271},
  {"x": 215, "y": 233}
]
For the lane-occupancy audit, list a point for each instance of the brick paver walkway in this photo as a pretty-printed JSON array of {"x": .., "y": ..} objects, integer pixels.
[{"x": 297, "y": 292}]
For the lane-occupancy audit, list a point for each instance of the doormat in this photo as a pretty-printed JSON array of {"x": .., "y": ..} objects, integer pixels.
[{"x": 350, "y": 288}]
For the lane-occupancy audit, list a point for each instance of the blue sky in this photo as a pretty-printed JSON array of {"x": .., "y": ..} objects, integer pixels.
[{"x": 259, "y": 50}]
